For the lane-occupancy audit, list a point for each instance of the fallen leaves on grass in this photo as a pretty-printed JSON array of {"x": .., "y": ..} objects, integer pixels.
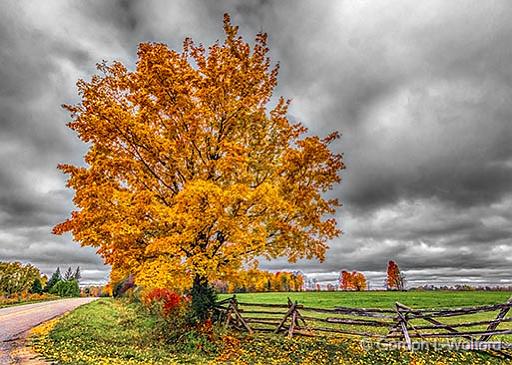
[{"x": 115, "y": 333}]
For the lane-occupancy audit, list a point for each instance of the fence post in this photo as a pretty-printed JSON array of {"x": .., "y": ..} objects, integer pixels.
[
  {"x": 293, "y": 322},
  {"x": 402, "y": 323},
  {"x": 493, "y": 325},
  {"x": 229, "y": 310},
  {"x": 239, "y": 316},
  {"x": 228, "y": 317},
  {"x": 290, "y": 311}
]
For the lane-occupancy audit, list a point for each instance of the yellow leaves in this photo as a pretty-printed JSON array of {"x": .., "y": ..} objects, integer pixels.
[
  {"x": 190, "y": 171},
  {"x": 117, "y": 274},
  {"x": 254, "y": 280},
  {"x": 162, "y": 272}
]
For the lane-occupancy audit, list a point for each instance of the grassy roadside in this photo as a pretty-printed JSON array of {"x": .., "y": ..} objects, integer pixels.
[
  {"x": 107, "y": 331},
  {"x": 112, "y": 332}
]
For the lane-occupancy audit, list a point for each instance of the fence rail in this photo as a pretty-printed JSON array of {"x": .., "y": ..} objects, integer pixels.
[{"x": 400, "y": 325}]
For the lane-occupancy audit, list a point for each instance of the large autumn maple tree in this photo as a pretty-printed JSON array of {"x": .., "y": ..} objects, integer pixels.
[{"x": 190, "y": 175}]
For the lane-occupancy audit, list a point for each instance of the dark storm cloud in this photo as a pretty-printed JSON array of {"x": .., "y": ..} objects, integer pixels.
[{"x": 422, "y": 93}]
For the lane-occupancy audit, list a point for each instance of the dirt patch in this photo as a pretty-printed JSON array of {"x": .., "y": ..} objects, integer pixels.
[
  {"x": 19, "y": 351},
  {"x": 24, "y": 354}
]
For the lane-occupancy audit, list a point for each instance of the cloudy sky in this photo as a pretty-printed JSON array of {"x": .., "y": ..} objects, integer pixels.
[{"x": 421, "y": 91}]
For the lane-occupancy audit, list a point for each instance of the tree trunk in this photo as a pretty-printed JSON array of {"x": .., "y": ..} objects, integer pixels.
[{"x": 203, "y": 299}]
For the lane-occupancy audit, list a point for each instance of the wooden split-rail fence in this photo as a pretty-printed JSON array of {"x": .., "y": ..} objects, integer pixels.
[{"x": 400, "y": 325}]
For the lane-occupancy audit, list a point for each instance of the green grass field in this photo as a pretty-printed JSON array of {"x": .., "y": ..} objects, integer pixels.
[{"x": 378, "y": 299}]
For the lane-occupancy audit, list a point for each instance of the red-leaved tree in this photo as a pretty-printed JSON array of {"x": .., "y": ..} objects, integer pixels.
[{"x": 395, "y": 279}]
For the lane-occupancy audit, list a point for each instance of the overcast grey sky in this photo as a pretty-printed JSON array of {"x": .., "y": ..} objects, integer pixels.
[{"x": 421, "y": 91}]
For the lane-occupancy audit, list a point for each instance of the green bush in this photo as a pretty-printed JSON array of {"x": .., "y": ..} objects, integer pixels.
[
  {"x": 203, "y": 301},
  {"x": 56, "y": 277},
  {"x": 66, "y": 288},
  {"x": 37, "y": 287}
]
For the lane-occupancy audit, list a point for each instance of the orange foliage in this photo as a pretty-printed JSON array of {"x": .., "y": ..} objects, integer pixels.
[
  {"x": 359, "y": 281},
  {"x": 254, "y": 280},
  {"x": 345, "y": 280},
  {"x": 352, "y": 281},
  {"x": 107, "y": 290},
  {"x": 395, "y": 279},
  {"x": 168, "y": 300},
  {"x": 190, "y": 172}
]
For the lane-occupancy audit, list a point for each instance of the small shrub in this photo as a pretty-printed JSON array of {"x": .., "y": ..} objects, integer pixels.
[
  {"x": 171, "y": 311},
  {"x": 178, "y": 325},
  {"x": 66, "y": 288},
  {"x": 163, "y": 301},
  {"x": 203, "y": 301}
]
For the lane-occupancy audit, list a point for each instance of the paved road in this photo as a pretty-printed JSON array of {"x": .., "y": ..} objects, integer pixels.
[{"x": 14, "y": 321}]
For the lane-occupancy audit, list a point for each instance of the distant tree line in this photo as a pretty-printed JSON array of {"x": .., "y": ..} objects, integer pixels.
[
  {"x": 254, "y": 280},
  {"x": 17, "y": 279},
  {"x": 66, "y": 285},
  {"x": 95, "y": 291},
  {"x": 356, "y": 281},
  {"x": 461, "y": 287}
]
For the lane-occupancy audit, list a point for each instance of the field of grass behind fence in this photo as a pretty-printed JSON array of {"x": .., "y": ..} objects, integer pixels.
[{"x": 377, "y": 299}]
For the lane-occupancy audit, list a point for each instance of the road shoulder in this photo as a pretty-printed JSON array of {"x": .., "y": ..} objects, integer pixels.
[
  {"x": 22, "y": 353},
  {"x": 18, "y": 348}
]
